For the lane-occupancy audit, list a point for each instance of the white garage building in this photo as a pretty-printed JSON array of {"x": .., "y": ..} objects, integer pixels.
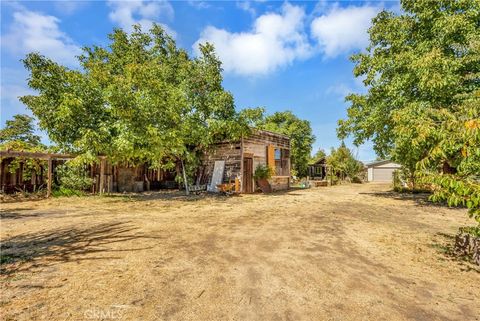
[{"x": 381, "y": 171}]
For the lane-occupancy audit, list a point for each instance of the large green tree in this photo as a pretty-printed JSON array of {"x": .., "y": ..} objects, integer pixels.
[
  {"x": 320, "y": 154},
  {"x": 141, "y": 99},
  {"x": 300, "y": 133},
  {"x": 19, "y": 132},
  {"x": 422, "y": 72},
  {"x": 343, "y": 163}
]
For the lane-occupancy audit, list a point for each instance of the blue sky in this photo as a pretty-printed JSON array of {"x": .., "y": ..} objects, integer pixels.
[{"x": 279, "y": 55}]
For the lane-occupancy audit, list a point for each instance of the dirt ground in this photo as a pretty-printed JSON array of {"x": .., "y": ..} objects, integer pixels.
[{"x": 353, "y": 252}]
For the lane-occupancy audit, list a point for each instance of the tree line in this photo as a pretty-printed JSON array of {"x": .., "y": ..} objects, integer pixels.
[
  {"x": 422, "y": 105},
  {"x": 141, "y": 99}
]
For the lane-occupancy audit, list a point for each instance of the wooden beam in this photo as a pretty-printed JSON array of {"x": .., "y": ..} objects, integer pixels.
[
  {"x": 37, "y": 155},
  {"x": 49, "y": 177}
]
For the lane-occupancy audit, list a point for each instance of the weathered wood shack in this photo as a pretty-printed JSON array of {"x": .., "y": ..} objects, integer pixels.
[
  {"x": 106, "y": 177},
  {"x": 242, "y": 158},
  {"x": 318, "y": 169}
]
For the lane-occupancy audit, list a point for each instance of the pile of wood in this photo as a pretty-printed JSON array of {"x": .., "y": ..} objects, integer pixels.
[{"x": 468, "y": 245}]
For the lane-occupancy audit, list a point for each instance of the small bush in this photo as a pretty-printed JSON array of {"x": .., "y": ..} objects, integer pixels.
[
  {"x": 72, "y": 177},
  {"x": 67, "y": 192},
  {"x": 357, "y": 180},
  {"x": 263, "y": 172}
]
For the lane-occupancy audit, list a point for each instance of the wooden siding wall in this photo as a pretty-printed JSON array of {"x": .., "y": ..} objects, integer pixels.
[
  {"x": 231, "y": 153},
  {"x": 279, "y": 183},
  {"x": 257, "y": 143}
]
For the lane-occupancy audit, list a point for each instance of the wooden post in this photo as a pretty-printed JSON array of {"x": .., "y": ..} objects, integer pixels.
[
  {"x": 34, "y": 180},
  {"x": 242, "y": 188},
  {"x": 185, "y": 178},
  {"x": 2, "y": 175},
  {"x": 101, "y": 188},
  {"x": 49, "y": 177},
  {"x": 20, "y": 175},
  {"x": 92, "y": 176}
]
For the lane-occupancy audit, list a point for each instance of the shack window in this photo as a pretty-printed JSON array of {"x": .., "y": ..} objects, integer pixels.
[
  {"x": 278, "y": 154},
  {"x": 281, "y": 162}
]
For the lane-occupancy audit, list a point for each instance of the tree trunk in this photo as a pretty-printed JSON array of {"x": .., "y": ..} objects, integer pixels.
[
  {"x": 447, "y": 169},
  {"x": 184, "y": 178},
  {"x": 102, "y": 175}
]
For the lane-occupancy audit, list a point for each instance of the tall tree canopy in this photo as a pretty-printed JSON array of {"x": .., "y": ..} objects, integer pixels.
[
  {"x": 343, "y": 163},
  {"x": 299, "y": 131},
  {"x": 19, "y": 133},
  {"x": 141, "y": 99},
  {"x": 320, "y": 154},
  {"x": 422, "y": 72}
]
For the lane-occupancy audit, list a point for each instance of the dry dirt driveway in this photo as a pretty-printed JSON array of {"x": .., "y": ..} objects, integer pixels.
[{"x": 354, "y": 252}]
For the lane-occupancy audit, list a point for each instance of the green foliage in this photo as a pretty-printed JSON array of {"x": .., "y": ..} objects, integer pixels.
[
  {"x": 72, "y": 177},
  {"x": 457, "y": 192},
  {"x": 299, "y": 131},
  {"x": 320, "y": 154},
  {"x": 472, "y": 230},
  {"x": 263, "y": 172},
  {"x": 343, "y": 164},
  {"x": 422, "y": 71},
  {"x": 139, "y": 100},
  {"x": 254, "y": 117},
  {"x": 417, "y": 61},
  {"x": 66, "y": 192},
  {"x": 398, "y": 181},
  {"x": 19, "y": 133}
]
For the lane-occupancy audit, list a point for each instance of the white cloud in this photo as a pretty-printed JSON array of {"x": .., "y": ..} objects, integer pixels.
[
  {"x": 34, "y": 32},
  {"x": 340, "y": 90},
  {"x": 247, "y": 6},
  {"x": 68, "y": 7},
  {"x": 128, "y": 13},
  {"x": 13, "y": 85},
  {"x": 198, "y": 4},
  {"x": 342, "y": 30},
  {"x": 275, "y": 40}
]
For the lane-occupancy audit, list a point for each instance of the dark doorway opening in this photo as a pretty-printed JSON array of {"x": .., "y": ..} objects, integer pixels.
[{"x": 248, "y": 175}]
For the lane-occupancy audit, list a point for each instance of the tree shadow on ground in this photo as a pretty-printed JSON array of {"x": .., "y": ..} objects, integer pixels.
[
  {"x": 45, "y": 248},
  {"x": 166, "y": 195},
  {"x": 20, "y": 197},
  {"x": 444, "y": 244},
  {"x": 176, "y": 195},
  {"x": 16, "y": 213},
  {"x": 291, "y": 191},
  {"x": 421, "y": 199}
]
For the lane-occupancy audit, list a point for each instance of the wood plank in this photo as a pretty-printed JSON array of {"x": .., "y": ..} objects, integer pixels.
[
  {"x": 271, "y": 156},
  {"x": 49, "y": 177},
  {"x": 37, "y": 155}
]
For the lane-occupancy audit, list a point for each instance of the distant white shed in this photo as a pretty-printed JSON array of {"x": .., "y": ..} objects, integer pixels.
[{"x": 381, "y": 171}]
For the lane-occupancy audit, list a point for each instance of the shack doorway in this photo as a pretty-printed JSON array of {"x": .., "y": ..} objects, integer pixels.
[{"x": 248, "y": 175}]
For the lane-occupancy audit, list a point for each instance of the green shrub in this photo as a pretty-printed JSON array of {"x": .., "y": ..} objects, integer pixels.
[
  {"x": 263, "y": 172},
  {"x": 67, "y": 192},
  {"x": 73, "y": 177},
  {"x": 472, "y": 230}
]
